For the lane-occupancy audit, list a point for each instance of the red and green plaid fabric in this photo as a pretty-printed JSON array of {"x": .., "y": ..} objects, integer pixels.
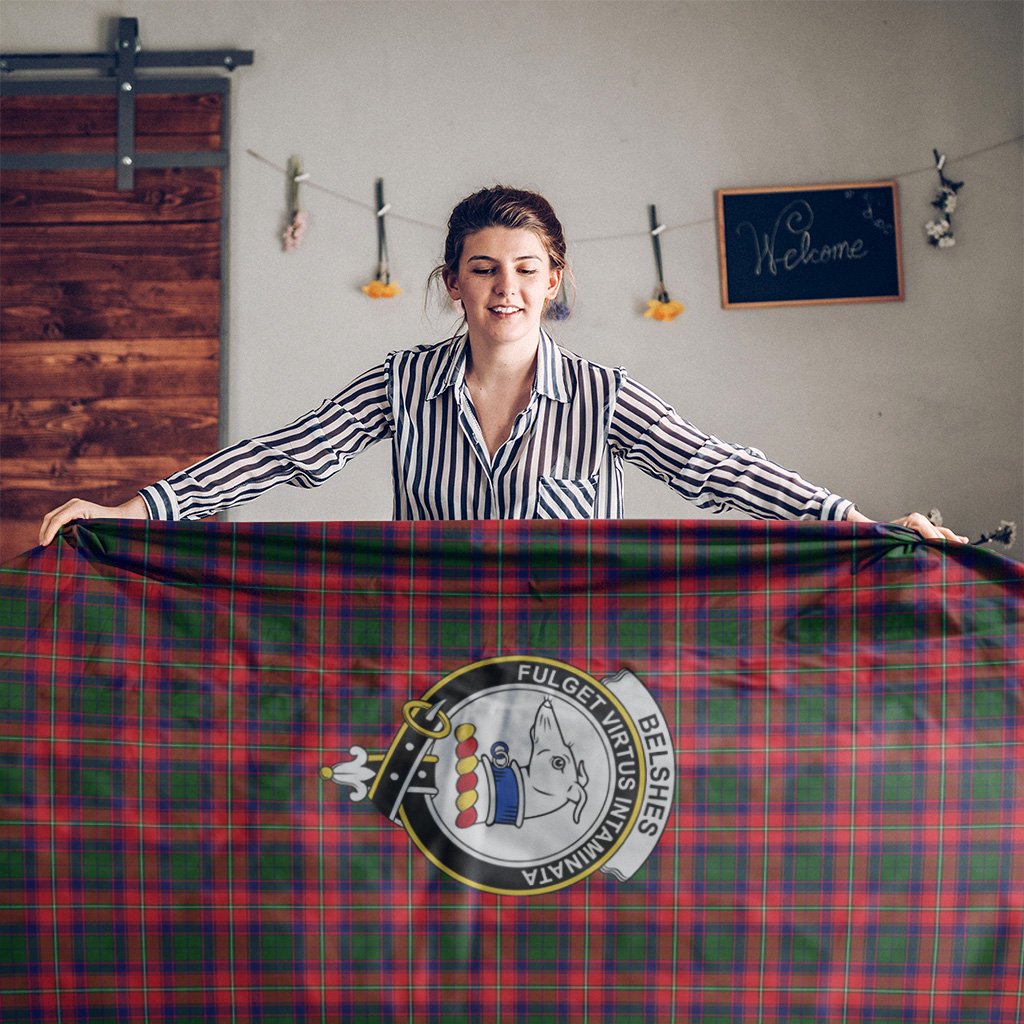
[{"x": 845, "y": 836}]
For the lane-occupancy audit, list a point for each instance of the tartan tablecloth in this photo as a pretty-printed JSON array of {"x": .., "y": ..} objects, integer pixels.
[{"x": 511, "y": 772}]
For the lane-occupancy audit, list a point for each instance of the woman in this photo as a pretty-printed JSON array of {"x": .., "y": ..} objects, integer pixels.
[{"x": 498, "y": 422}]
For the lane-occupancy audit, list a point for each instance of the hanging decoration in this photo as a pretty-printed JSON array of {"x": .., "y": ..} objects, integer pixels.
[
  {"x": 298, "y": 218},
  {"x": 1005, "y": 533},
  {"x": 940, "y": 231},
  {"x": 698, "y": 222},
  {"x": 381, "y": 286},
  {"x": 661, "y": 307}
]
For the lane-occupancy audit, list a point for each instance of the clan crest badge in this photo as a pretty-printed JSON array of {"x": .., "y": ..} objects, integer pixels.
[{"x": 523, "y": 775}]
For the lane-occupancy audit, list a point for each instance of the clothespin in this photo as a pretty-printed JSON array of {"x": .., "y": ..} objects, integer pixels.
[{"x": 940, "y": 163}]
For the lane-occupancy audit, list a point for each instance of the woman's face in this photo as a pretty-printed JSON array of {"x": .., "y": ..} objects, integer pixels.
[{"x": 505, "y": 278}]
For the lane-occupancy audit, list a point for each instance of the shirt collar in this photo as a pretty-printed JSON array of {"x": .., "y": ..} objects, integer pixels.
[{"x": 550, "y": 380}]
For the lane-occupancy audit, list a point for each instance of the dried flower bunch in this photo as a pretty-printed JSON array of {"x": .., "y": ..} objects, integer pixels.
[
  {"x": 299, "y": 219},
  {"x": 558, "y": 308},
  {"x": 381, "y": 287},
  {"x": 661, "y": 307},
  {"x": 940, "y": 231},
  {"x": 1004, "y": 533},
  {"x": 296, "y": 229}
]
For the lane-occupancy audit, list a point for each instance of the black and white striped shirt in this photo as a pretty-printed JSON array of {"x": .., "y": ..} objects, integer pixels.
[{"x": 562, "y": 460}]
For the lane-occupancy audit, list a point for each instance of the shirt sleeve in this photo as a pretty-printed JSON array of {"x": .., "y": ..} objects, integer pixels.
[
  {"x": 304, "y": 454},
  {"x": 713, "y": 474}
]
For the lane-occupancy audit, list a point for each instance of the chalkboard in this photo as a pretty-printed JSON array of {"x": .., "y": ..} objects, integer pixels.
[{"x": 812, "y": 244}]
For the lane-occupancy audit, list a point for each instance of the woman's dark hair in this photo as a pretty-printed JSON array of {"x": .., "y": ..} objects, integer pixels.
[{"x": 501, "y": 207}]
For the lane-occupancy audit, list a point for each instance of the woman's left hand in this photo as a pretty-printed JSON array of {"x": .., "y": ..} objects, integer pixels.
[{"x": 919, "y": 524}]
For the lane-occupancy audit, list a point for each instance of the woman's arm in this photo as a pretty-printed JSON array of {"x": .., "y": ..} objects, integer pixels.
[
  {"x": 712, "y": 473},
  {"x": 305, "y": 453},
  {"x": 715, "y": 474}
]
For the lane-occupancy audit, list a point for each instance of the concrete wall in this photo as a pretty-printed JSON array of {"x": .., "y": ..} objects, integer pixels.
[{"x": 606, "y": 107}]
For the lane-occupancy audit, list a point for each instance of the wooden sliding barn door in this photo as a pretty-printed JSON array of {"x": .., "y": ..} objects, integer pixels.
[
  {"x": 111, "y": 304},
  {"x": 109, "y": 365}
]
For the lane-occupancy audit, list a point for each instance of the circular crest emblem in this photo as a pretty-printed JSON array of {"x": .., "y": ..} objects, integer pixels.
[{"x": 523, "y": 775}]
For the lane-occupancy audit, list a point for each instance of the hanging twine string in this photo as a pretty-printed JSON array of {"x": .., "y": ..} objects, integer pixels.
[{"x": 312, "y": 184}]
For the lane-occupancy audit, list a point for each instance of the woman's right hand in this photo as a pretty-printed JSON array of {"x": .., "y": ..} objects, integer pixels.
[{"x": 76, "y": 508}]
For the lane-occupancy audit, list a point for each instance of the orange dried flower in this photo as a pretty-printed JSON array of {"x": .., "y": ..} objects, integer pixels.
[
  {"x": 665, "y": 311},
  {"x": 380, "y": 290}
]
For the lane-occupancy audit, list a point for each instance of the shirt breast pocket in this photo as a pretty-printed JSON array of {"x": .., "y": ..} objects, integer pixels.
[{"x": 566, "y": 498}]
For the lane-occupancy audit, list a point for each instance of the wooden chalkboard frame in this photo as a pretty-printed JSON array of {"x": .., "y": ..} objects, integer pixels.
[{"x": 797, "y": 252}]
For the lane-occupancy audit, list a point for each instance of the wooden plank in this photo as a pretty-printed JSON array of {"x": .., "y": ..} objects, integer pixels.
[
  {"x": 82, "y": 197},
  {"x": 18, "y": 536},
  {"x": 110, "y": 427},
  {"x": 92, "y": 473},
  {"x": 31, "y": 487},
  {"x": 94, "y": 310},
  {"x": 86, "y": 116},
  {"x": 179, "y": 143},
  {"x": 110, "y": 369},
  {"x": 109, "y": 297},
  {"x": 108, "y": 252}
]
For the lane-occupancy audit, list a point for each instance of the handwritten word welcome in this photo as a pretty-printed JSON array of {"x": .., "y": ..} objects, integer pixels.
[{"x": 795, "y": 222}]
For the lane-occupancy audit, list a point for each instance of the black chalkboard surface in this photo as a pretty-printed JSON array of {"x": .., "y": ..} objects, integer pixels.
[{"x": 812, "y": 244}]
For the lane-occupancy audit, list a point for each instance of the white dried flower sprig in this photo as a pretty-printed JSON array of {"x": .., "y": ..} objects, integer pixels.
[
  {"x": 1004, "y": 533},
  {"x": 940, "y": 231}
]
